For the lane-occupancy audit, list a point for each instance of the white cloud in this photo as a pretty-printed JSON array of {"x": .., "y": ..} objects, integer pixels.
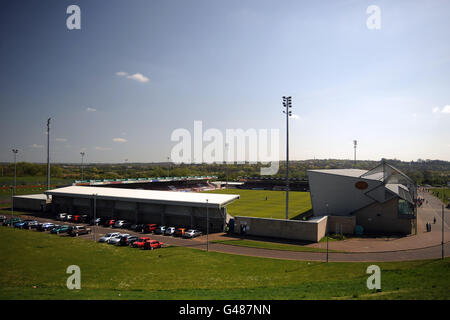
[
  {"x": 137, "y": 76},
  {"x": 446, "y": 109},
  {"x": 61, "y": 139},
  {"x": 37, "y": 146},
  {"x": 90, "y": 109},
  {"x": 119, "y": 140},
  {"x": 102, "y": 148}
]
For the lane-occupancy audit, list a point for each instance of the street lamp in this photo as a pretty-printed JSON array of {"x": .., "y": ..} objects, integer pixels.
[
  {"x": 226, "y": 163},
  {"x": 48, "y": 153},
  {"x": 287, "y": 103},
  {"x": 354, "y": 146},
  {"x": 207, "y": 226},
  {"x": 13, "y": 189},
  {"x": 126, "y": 168},
  {"x": 82, "y": 156},
  {"x": 168, "y": 159}
]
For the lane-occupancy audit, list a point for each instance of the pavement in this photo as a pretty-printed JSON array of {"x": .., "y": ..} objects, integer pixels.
[{"x": 424, "y": 245}]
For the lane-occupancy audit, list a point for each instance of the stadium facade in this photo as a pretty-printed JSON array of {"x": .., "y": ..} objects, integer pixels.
[
  {"x": 180, "y": 209},
  {"x": 381, "y": 200}
]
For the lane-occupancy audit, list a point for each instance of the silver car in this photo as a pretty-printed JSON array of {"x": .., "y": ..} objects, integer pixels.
[
  {"x": 191, "y": 233},
  {"x": 108, "y": 236},
  {"x": 116, "y": 240}
]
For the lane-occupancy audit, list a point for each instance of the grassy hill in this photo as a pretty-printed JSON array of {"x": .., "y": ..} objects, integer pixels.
[{"x": 34, "y": 267}]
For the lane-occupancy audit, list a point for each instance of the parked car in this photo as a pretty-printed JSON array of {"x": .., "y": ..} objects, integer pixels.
[
  {"x": 149, "y": 228},
  {"x": 60, "y": 229},
  {"x": 21, "y": 224},
  {"x": 160, "y": 230},
  {"x": 76, "y": 231},
  {"x": 152, "y": 244},
  {"x": 2, "y": 218},
  {"x": 85, "y": 218},
  {"x": 126, "y": 225},
  {"x": 191, "y": 233},
  {"x": 140, "y": 242},
  {"x": 119, "y": 224},
  {"x": 45, "y": 226},
  {"x": 32, "y": 224},
  {"x": 169, "y": 231},
  {"x": 61, "y": 216},
  {"x": 116, "y": 240},
  {"x": 137, "y": 227},
  {"x": 108, "y": 236},
  {"x": 97, "y": 221},
  {"x": 109, "y": 223},
  {"x": 126, "y": 240},
  {"x": 11, "y": 221},
  {"x": 179, "y": 232}
]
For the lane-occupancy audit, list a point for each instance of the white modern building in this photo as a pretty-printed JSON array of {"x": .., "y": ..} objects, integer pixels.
[{"x": 380, "y": 200}]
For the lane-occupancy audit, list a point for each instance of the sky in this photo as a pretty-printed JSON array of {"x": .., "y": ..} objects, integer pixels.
[{"x": 136, "y": 71}]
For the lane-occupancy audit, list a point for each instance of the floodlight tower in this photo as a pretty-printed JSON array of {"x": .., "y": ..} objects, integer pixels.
[
  {"x": 287, "y": 103},
  {"x": 82, "y": 156},
  {"x": 48, "y": 153},
  {"x": 354, "y": 146}
]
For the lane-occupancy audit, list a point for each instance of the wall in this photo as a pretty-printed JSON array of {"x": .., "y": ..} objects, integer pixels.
[
  {"x": 286, "y": 229},
  {"x": 383, "y": 218},
  {"x": 344, "y": 224}
]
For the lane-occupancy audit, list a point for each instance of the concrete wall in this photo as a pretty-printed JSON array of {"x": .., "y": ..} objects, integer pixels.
[
  {"x": 344, "y": 224},
  {"x": 384, "y": 219},
  {"x": 286, "y": 229}
]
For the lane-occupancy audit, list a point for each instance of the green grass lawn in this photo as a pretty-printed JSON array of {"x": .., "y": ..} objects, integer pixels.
[
  {"x": 270, "y": 245},
  {"x": 34, "y": 267},
  {"x": 253, "y": 203},
  {"x": 437, "y": 192}
]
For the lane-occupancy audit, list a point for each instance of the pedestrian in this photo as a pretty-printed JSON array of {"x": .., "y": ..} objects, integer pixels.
[{"x": 434, "y": 220}]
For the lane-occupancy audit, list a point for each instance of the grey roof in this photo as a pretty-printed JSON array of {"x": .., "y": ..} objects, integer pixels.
[{"x": 341, "y": 172}]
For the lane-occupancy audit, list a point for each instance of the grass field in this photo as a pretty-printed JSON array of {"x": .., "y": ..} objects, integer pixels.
[
  {"x": 253, "y": 203},
  {"x": 437, "y": 192},
  {"x": 34, "y": 267}
]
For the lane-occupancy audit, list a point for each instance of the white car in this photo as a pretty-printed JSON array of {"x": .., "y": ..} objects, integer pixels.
[
  {"x": 115, "y": 240},
  {"x": 61, "y": 216},
  {"x": 119, "y": 224},
  {"x": 108, "y": 236},
  {"x": 169, "y": 231}
]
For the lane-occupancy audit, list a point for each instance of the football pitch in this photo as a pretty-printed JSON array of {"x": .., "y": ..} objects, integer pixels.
[{"x": 266, "y": 203}]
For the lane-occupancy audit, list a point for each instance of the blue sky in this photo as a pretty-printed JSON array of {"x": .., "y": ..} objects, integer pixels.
[{"x": 226, "y": 63}]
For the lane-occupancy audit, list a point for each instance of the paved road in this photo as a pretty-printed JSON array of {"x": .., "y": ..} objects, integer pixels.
[{"x": 200, "y": 243}]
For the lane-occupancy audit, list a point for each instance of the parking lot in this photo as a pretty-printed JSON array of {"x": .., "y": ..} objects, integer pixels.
[{"x": 96, "y": 232}]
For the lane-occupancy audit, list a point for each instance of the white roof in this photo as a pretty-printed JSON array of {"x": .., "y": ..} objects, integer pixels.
[
  {"x": 193, "y": 199},
  {"x": 342, "y": 172},
  {"x": 38, "y": 196}
]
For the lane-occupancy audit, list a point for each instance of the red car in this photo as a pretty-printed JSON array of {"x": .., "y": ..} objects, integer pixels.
[
  {"x": 152, "y": 244},
  {"x": 149, "y": 228},
  {"x": 140, "y": 242},
  {"x": 110, "y": 222}
]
